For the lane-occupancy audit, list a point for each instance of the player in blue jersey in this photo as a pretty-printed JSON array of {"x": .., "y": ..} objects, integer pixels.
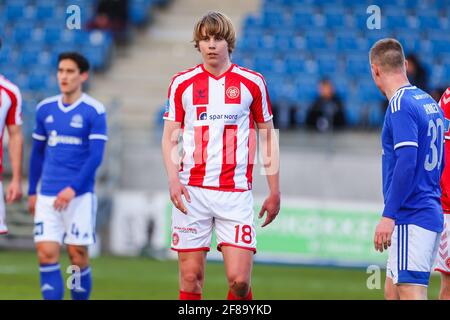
[
  {"x": 68, "y": 144},
  {"x": 412, "y": 141}
]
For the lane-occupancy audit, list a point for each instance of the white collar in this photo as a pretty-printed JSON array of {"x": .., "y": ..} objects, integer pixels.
[{"x": 70, "y": 107}]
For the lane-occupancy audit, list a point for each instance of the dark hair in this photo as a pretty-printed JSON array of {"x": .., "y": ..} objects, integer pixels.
[{"x": 80, "y": 60}]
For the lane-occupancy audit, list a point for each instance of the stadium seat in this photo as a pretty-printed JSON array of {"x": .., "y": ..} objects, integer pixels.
[
  {"x": 357, "y": 64},
  {"x": 316, "y": 40},
  {"x": 139, "y": 11},
  {"x": 45, "y": 11},
  {"x": 15, "y": 11},
  {"x": 429, "y": 21}
]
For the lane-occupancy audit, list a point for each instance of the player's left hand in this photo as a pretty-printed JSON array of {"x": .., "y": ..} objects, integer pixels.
[
  {"x": 63, "y": 199},
  {"x": 272, "y": 206},
  {"x": 383, "y": 234},
  {"x": 14, "y": 192}
]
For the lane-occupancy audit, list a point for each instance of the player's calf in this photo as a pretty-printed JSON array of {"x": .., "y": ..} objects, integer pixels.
[
  {"x": 412, "y": 292},
  {"x": 444, "y": 294},
  {"x": 78, "y": 255},
  {"x": 239, "y": 289},
  {"x": 390, "y": 290},
  {"x": 81, "y": 285}
]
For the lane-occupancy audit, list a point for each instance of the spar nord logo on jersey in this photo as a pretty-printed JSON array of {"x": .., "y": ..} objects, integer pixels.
[
  {"x": 201, "y": 113},
  {"x": 54, "y": 139}
]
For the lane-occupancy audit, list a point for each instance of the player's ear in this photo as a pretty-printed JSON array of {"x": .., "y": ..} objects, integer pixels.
[
  {"x": 84, "y": 76},
  {"x": 406, "y": 64},
  {"x": 375, "y": 69}
]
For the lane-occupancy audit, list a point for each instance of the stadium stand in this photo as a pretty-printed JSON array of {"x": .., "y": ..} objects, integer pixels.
[
  {"x": 35, "y": 32},
  {"x": 322, "y": 38}
]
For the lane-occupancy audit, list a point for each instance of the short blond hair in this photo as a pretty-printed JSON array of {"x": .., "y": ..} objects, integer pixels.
[
  {"x": 215, "y": 23},
  {"x": 388, "y": 54}
]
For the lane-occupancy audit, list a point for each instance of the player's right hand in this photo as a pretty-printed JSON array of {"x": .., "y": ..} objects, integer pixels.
[
  {"x": 32, "y": 204},
  {"x": 383, "y": 234},
  {"x": 176, "y": 189}
]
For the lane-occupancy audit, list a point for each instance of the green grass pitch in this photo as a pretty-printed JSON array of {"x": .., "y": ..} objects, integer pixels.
[{"x": 144, "y": 278}]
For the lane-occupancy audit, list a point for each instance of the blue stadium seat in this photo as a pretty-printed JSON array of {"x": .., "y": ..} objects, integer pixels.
[
  {"x": 335, "y": 18},
  {"x": 29, "y": 57},
  {"x": 15, "y": 11},
  {"x": 306, "y": 89},
  {"x": 327, "y": 64},
  {"x": 316, "y": 40},
  {"x": 410, "y": 42},
  {"x": 295, "y": 64},
  {"x": 440, "y": 44},
  {"x": 367, "y": 91},
  {"x": 52, "y": 35},
  {"x": 45, "y": 11},
  {"x": 273, "y": 18},
  {"x": 37, "y": 79},
  {"x": 302, "y": 19},
  {"x": 357, "y": 65},
  {"x": 139, "y": 11},
  {"x": 251, "y": 22},
  {"x": 263, "y": 63},
  {"x": 429, "y": 21},
  {"x": 394, "y": 21},
  {"x": 22, "y": 31}
]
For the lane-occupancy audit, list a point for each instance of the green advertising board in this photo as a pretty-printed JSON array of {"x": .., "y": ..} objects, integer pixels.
[{"x": 317, "y": 233}]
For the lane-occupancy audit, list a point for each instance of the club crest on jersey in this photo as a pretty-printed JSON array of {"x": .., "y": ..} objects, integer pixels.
[
  {"x": 49, "y": 119},
  {"x": 201, "y": 113},
  {"x": 233, "y": 92},
  {"x": 77, "y": 121}
]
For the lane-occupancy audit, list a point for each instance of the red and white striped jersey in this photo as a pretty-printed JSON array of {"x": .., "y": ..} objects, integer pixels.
[
  {"x": 444, "y": 103},
  {"x": 10, "y": 109},
  {"x": 218, "y": 116}
]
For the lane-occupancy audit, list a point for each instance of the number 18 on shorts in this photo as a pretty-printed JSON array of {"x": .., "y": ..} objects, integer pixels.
[{"x": 230, "y": 213}]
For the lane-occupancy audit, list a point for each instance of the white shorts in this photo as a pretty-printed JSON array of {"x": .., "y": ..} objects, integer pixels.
[
  {"x": 411, "y": 254},
  {"x": 75, "y": 225},
  {"x": 231, "y": 214},
  {"x": 443, "y": 256},
  {"x": 3, "y": 227}
]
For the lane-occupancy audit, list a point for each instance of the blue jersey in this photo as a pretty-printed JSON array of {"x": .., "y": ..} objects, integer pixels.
[
  {"x": 67, "y": 131},
  {"x": 413, "y": 118}
]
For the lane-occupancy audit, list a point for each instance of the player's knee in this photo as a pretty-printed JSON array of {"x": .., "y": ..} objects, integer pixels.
[
  {"x": 47, "y": 256},
  {"x": 78, "y": 256},
  {"x": 390, "y": 295},
  {"x": 240, "y": 287},
  {"x": 192, "y": 281}
]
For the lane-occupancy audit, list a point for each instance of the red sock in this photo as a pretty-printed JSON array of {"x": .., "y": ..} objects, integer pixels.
[
  {"x": 190, "y": 295},
  {"x": 231, "y": 296}
]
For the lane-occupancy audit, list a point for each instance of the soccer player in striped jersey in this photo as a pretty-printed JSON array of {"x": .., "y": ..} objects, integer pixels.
[
  {"x": 217, "y": 106},
  {"x": 11, "y": 118},
  {"x": 412, "y": 141},
  {"x": 68, "y": 143},
  {"x": 443, "y": 257}
]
